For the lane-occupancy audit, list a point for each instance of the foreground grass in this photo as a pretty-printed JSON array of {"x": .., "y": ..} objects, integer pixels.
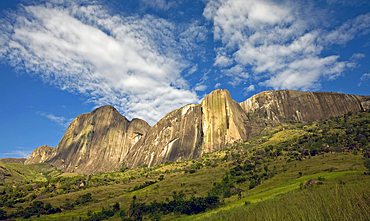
[{"x": 347, "y": 198}]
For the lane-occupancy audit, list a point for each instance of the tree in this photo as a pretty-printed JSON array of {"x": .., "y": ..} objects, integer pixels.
[
  {"x": 116, "y": 207},
  {"x": 2, "y": 215},
  {"x": 161, "y": 177},
  {"x": 367, "y": 164}
]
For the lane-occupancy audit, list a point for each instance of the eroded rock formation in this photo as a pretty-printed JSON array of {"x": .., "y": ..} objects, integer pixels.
[
  {"x": 97, "y": 141},
  {"x": 40, "y": 155},
  {"x": 175, "y": 137},
  {"x": 291, "y": 105}
]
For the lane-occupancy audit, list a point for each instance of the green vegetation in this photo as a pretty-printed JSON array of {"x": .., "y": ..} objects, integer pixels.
[{"x": 264, "y": 178}]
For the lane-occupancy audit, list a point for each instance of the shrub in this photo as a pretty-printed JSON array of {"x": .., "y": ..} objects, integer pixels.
[
  {"x": 367, "y": 164},
  {"x": 2, "y": 215},
  {"x": 83, "y": 199},
  {"x": 161, "y": 177}
]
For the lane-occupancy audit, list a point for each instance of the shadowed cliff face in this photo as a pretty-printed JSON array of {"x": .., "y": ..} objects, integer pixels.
[
  {"x": 290, "y": 105},
  {"x": 175, "y": 137},
  {"x": 192, "y": 130},
  {"x": 97, "y": 142},
  {"x": 40, "y": 155}
]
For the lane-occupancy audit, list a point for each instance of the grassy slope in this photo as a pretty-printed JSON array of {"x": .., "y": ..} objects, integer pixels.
[
  {"x": 279, "y": 193},
  {"x": 36, "y": 172}
]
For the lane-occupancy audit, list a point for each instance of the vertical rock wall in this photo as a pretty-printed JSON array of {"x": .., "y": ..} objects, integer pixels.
[
  {"x": 290, "y": 105},
  {"x": 97, "y": 142},
  {"x": 175, "y": 137}
]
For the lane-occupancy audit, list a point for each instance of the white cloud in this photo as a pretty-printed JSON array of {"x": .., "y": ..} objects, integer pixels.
[
  {"x": 365, "y": 77},
  {"x": 192, "y": 70},
  {"x": 160, "y": 4},
  {"x": 238, "y": 74},
  {"x": 349, "y": 30},
  {"x": 277, "y": 43},
  {"x": 200, "y": 87},
  {"x": 222, "y": 60},
  {"x": 250, "y": 88},
  {"x": 62, "y": 121},
  {"x": 217, "y": 85},
  {"x": 19, "y": 152},
  {"x": 130, "y": 62}
]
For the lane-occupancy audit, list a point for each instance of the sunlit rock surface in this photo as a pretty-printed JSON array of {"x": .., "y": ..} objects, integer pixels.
[
  {"x": 40, "y": 155},
  {"x": 97, "y": 141}
]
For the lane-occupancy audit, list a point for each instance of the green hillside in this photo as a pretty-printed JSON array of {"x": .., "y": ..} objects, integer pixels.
[{"x": 261, "y": 179}]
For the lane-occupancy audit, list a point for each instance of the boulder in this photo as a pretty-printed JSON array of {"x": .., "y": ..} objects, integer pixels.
[
  {"x": 311, "y": 182},
  {"x": 236, "y": 190}
]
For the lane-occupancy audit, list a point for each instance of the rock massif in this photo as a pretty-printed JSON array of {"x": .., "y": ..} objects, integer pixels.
[
  {"x": 97, "y": 141},
  {"x": 290, "y": 105},
  {"x": 192, "y": 130},
  {"x": 104, "y": 140},
  {"x": 40, "y": 155},
  {"x": 175, "y": 137}
]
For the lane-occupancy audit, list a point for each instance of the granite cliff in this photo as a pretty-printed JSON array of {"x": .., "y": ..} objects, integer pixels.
[
  {"x": 291, "y": 105},
  {"x": 104, "y": 140},
  {"x": 40, "y": 155},
  {"x": 97, "y": 142}
]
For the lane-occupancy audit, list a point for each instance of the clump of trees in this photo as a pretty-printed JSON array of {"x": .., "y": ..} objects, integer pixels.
[{"x": 179, "y": 205}]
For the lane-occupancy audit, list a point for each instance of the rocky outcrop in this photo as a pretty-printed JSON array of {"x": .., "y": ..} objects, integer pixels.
[
  {"x": 290, "y": 105},
  {"x": 224, "y": 121},
  {"x": 40, "y": 155},
  {"x": 13, "y": 160},
  {"x": 175, "y": 137},
  {"x": 192, "y": 130},
  {"x": 97, "y": 141}
]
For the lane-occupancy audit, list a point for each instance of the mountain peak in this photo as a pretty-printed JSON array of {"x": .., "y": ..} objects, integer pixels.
[{"x": 40, "y": 155}]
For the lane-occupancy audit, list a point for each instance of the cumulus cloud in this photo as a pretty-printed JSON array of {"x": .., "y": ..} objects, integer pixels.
[
  {"x": 133, "y": 63},
  {"x": 222, "y": 59},
  {"x": 217, "y": 85},
  {"x": 277, "y": 43},
  {"x": 250, "y": 88}
]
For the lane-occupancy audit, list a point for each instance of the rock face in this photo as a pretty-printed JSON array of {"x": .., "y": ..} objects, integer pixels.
[
  {"x": 40, "y": 155},
  {"x": 192, "y": 130},
  {"x": 104, "y": 140},
  {"x": 290, "y": 105},
  {"x": 175, "y": 137},
  {"x": 97, "y": 141},
  {"x": 224, "y": 121}
]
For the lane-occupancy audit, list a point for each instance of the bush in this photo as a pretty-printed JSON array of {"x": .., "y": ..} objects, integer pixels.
[
  {"x": 2, "y": 215},
  {"x": 83, "y": 199},
  {"x": 367, "y": 164}
]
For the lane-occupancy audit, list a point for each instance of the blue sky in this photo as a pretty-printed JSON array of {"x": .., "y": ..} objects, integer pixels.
[{"x": 62, "y": 58}]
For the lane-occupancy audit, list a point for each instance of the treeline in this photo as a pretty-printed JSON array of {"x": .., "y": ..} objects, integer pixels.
[{"x": 179, "y": 205}]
